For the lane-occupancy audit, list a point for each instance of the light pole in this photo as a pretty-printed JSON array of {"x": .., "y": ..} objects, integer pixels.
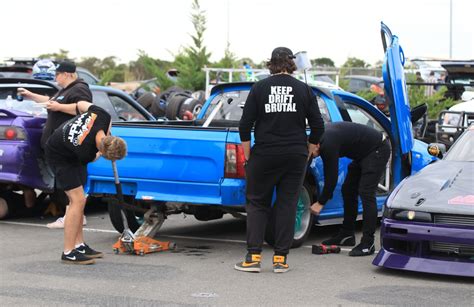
[{"x": 450, "y": 29}]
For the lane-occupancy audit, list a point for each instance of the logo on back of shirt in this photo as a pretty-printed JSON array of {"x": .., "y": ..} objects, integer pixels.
[
  {"x": 280, "y": 100},
  {"x": 80, "y": 128}
]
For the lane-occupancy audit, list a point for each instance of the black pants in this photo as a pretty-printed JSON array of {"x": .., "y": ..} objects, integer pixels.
[
  {"x": 362, "y": 180},
  {"x": 264, "y": 174}
]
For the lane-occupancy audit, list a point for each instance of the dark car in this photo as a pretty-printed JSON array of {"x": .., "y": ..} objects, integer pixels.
[
  {"x": 459, "y": 78},
  {"x": 428, "y": 223},
  {"x": 23, "y": 68},
  {"x": 375, "y": 85},
  {"x": 21, "y": 125}
]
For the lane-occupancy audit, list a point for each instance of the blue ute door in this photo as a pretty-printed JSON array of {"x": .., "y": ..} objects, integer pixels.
[{"x": 396, "y": 93}]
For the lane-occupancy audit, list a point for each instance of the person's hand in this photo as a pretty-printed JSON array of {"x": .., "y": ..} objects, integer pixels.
[
  {"x": 24, "y": 92},
  {"x": 316, "y": 208},
  {"x": 53, "y": 106},
  {"x": 313, "y": 150}
]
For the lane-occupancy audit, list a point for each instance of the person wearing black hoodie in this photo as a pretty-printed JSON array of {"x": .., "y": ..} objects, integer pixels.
[
  {"x": 277, "y": 108},
  {"x": 61, "y": 108}
]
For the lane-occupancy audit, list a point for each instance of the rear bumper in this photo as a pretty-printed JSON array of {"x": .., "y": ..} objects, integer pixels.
[
  {"x": 416, "y": 247},
  {"x": 230, "y": 192},
  {"x": 19, "y": 165}
]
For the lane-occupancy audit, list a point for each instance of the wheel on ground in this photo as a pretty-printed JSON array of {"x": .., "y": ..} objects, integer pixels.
[{"x": 303, "y": 222}]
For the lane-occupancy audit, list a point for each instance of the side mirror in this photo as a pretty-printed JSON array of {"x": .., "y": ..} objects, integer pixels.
[{"x": 437, "y": 150}]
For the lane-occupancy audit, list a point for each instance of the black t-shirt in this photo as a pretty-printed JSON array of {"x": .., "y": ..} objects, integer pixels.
[
  {"x": 74, "y": 141},
  {"x": 73, "y": 93},
  {"x": 344, "y": 139},
  {"x": 278, "y": 106}
]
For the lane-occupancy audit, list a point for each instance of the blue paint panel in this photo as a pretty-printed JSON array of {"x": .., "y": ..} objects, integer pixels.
[{"x": 395, "y": 88}]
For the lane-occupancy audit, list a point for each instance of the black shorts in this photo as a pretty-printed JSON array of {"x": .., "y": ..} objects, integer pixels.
[{"x": 68, "y": 175}]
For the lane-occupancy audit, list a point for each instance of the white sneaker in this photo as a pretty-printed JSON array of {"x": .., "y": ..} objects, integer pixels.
[{"x": 59, "y": 223}]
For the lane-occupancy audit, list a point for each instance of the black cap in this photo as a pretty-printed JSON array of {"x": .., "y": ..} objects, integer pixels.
[
  {"x": 282, "y": 53},
  {"x": 66, "y": 66}
]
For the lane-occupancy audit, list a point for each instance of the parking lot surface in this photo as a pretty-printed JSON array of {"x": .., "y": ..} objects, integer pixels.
[{"x": 200, "y": 271}]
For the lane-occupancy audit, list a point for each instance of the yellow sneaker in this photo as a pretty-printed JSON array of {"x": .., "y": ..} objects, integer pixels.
[
  {"x": 279, "y": 264},
  {"x": 251, "y": 264}
]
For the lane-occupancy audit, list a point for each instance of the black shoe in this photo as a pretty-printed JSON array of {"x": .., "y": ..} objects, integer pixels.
[
  {"x": 280, "y": 265},
  {"x": 363, "y": 249},
  {"x": 251, "y": 264},
  {"x": 75, "y": 257},
  {"x": 342, "y": 239},
  {"x": 89, "y": 252}
]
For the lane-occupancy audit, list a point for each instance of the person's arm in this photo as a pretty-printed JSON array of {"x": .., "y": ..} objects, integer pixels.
[
  {"x": 331, "y": 173},
  {"x": 315, "y": 120},
  {"x": 249, "y": 116},
  {"x": 70, "y": 108},
  {"x": 30, "y": 95},
  {"x": 246, "y": 147}
]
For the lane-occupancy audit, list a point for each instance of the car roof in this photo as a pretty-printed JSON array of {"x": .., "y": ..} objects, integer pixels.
[{"x": 459, "y": 67}]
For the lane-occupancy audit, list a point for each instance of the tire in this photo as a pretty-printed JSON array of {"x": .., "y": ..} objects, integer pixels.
[
  {"x": 199, "y": 95},
  {"x": 166, "y": 94},
  {"x": 192, "y": 105},
  {"x": 172, "y": 110},
  {"x": 304, "y": 219},
  {"x": 146, "y": 100},
  {"x": 158, "y": 108},
  {"x": 134, "y": 219}
]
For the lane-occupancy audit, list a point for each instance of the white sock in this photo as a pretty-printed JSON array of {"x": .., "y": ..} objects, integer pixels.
[
  {"x": 80, "y": 244},
  {"x": 67, "y": 252}
]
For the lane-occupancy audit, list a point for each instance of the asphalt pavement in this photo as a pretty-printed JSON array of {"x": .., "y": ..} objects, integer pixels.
[{"x": 200, "y": 271}]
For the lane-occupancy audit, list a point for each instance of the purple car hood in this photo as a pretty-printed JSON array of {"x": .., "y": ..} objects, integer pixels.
[{"x": 442, "y": 187}]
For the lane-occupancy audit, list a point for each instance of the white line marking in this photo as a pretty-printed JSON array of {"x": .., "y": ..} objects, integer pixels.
[{"x": 166, "y": 236}]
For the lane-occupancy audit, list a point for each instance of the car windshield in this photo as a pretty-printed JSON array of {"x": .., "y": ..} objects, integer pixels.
[
  {"x": 463, "y": 149},
  {"x": 26, "y": 106},
  {"x": 232, "y": 106}
]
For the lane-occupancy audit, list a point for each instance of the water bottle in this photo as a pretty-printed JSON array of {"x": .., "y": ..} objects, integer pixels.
[{"x": 9, "y": 102}]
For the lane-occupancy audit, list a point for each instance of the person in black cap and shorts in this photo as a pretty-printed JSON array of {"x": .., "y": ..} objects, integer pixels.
[
  {"x": 369, "y": 150},
  {"x": 277, "y": 107},
  {"x": 69, "y": 149},
  {"x": 61, "y": 107}
]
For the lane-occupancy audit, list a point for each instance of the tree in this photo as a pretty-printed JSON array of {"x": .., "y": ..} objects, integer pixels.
[
  {"x": 60, "y": 56},
  {"x": 193, "y": 58},
  {"x": 355, "y": 62},
  {"x": 150, "y": 67},
  {"x": 322, "y": 62}
]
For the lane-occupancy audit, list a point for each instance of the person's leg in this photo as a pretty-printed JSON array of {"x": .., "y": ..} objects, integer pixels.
[
  {"x": 261, "y": 179},
  {"x": 73, "y": 220},
  {"x": 260, "y": 184},
  {"x": 345, "y": 236},
  {"x": 373, "y": 167},
  {"x": 287, "y": 194},
  {"x": 350, "y": 195}
]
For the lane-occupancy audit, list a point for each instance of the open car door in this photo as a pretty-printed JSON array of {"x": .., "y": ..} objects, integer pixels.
[{"x": 396, "y": 93}]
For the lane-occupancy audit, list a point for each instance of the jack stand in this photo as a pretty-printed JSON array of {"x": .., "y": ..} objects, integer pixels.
[{"x": 141, "y": 242}]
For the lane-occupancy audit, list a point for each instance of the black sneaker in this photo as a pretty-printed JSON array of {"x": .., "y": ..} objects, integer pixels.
[
  {"x": 251, "y": 264},
  {"x": 363, "y": 249},
  {"x": 89, "y": 252},
  {"x": 279, "y": 264},
  {"x": 342, "y": 239},
  {"x": 75, "y": 257}
]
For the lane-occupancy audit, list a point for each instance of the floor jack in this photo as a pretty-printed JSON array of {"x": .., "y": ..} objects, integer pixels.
[{"x": 141, "y": 242}]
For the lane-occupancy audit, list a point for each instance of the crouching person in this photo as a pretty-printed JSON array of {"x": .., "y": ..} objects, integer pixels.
[{"x": 69, "y": 149}]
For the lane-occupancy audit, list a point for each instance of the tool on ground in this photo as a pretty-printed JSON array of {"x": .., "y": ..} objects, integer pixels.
[
  {"x": 141, "y": 242},
  {"x": 321, "y": 249}
]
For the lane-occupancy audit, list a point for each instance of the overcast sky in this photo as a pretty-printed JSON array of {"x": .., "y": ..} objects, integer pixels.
[{"x": 333, "y": 28}]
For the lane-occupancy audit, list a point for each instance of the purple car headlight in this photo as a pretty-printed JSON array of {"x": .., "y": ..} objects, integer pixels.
[{"x": 408, "y": 215}]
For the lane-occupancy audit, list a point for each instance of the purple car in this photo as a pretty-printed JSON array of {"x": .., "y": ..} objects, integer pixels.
[
  {"x": 428, "y": 223},
  {"x": 21, "y": 124}
]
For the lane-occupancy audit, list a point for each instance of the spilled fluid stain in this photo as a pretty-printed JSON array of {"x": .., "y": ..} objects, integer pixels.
[{"x": 198, "y": 251}]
